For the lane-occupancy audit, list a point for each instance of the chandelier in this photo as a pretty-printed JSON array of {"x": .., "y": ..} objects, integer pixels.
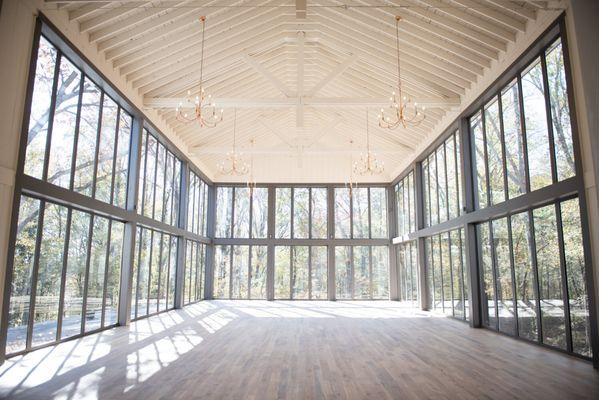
[
  {"x": 351, "y": 185},
  {"x": 368, "y": 164},
  {"x": 201, "y": 109},
  {"x": 399, "y": 113},
  {"x": 251, "y": 182},
  {"x": 233, "y": 164}
]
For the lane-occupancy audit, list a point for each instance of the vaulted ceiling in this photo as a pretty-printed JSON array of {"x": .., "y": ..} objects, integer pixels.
[{"x": 302, "y": 76}]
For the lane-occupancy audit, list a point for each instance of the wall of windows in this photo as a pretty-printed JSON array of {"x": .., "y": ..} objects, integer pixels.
[
  {"x": 522, "y": 137},
  {"x": 441, "y": 182},
  {"x": 447, "y": 277},
  {"x": 85, "y": 215},
  {"x": 159, "y": 181},
  {"x": 78, "y": 137},
  {"x": 533, "y": 276},
  {"x": 66, "y": 274},
  {"x": 407, "y": 273}
]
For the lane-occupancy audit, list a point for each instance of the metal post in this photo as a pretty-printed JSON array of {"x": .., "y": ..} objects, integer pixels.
[
  {"x": 392, "y": 215},
  {"x": 181, "y": 241},
  {"x": 211, "y": 222}
]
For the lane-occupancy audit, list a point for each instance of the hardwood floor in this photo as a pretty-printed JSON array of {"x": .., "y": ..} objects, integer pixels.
[{"x": 297, "y": 350}]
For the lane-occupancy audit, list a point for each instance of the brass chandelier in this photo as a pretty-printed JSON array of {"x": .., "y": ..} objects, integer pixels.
[
  {"x": 399, "y": 113},
  {"x": 368, "y": 163},
  {"x": 233, "y": 164},
  {"x": 202, "y": 109}
]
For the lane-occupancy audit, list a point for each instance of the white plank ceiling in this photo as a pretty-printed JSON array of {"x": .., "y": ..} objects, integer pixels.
[{"x": 302, "y": 85}]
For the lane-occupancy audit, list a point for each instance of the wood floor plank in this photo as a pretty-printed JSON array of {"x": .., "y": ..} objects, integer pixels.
[{"x": 297, "y": 350}]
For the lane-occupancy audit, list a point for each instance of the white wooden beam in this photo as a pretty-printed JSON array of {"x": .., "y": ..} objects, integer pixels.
[
  {"x": 332, "y": 75},
  {"x": 300, "y": 9},
  {"x": 293, "y": 150},
  {"x": 269, "y": 77},
  {"x": 321, "y": 102}
]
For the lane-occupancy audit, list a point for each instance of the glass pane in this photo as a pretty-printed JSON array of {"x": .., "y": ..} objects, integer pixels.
[
  {"x": 319, "y": 272},
  {"x": 426, "y": 193},
  {"x": 258, "y": 272},
  {"x": 514, "y": 141},
  {"x": 525, "y": 281},
  {"x": 122, "y": 159},
  {"x": 163, "y": 272},
  {"x": 192, "y": 206},
  {"x": 319, "y": 213},
  {"x": 75, "y": 276},
  {"x": 154, "y": 272},
  {"x": 222, "y": 263},
  {"x": 106, "y": 150},
  {"x": 148, "y": 206},
  {"x": 466, "y": 276},
  {"x": 190, "y": 265},
  {"x": 86, "y": 141},
  {"x": 360, "y": 213},
  {"x": 434, "y": 199},
  {"x": 494, "y": 152},
  {"x": 361, "y": 272},
  {"x": 488, "y": 279},
  {"x": 64, "y": 123},
  {"x": 343, "y": 272},
  {"x": 143, "y": 274},
  {"x": 45, "y": 322},
  {"x": 241, "y": 213},
  {"x": 97, "y": 273},
  {"x": 160, "y": 182},
  {"x": 437, "y": 273},
  {"x": 282, "y": 272},
  {"x": 40, "y": 109},
  {"x": 342, "y": 213},
  {"x": 452, "y": 183},
  {"x": 560, "y": 112},
  {"x": 300, "y": 273},
  {"x": 283, "y": 213},
  {"x": 457, "y": 274},
  {"x": 535, "y": 119},
  {"x": 114, "y": 273},
  {"x": 380, "y": 272},
  {"x": 173, "y": 272},
  {"x": 260, "y": 213},
  {"x": 142, "y": 173},
  {"x": 446, "y": 273},
  {"x": 239, "y": 272},
  {"x": 442, "y": 184},
  {"x": 550, "y": 279},
  {"x": 223, "y": 211},
  {"x": 428, "y": 255},
  {"x": 505, "y": 295},
  {"x": 476, "y": 128},
  {"x": 401, "y": 209},
  {"x": 301, "y": 213},
  {"x": 378, "y": 212},
  {"x": 575, "y": 271}
]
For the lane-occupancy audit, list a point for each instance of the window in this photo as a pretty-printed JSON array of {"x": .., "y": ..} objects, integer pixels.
[
  {"x": 362, "y": 272},
  {"x": 58, "y": 246},
  {"x": 538, "y": 248},
  {"x": 441, "y": 182},
  {"x": 301, "y": 272},
  {"x": 447, "y": 276},
  {"x": 197, "y": 205},
  {"x": 361, "y": 213},
  {"x": 241, "y": 212},
  {"x": 154, "y": 273},
  {"x": 404, "y": 199},
  {"x": 78, "y": 137},
  {"x": 301, "y": 213},
  {"x": 159, "y": 181},
  {"x": 193, "y": 279},
  {"x": 407, "y": 267},
  {"x": 516, "y": 149},
  {"x": 240, "y": 272}
]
